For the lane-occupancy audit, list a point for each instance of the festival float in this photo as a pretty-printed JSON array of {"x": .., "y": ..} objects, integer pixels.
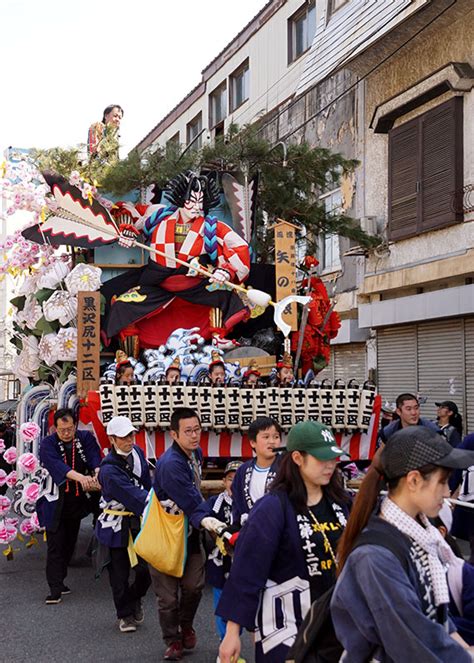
[{"x": 139, "y": 305}]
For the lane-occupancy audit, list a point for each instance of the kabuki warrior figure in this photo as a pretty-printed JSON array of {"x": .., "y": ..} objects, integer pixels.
[{"x": 168, "y": 295}]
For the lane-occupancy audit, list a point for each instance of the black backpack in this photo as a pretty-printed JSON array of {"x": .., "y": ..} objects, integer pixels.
[{"x": 316, "y": 641}]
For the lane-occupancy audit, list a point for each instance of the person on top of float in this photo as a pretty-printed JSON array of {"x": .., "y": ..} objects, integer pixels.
[
  {"x": 123, "y": 369},
  {"x": 173, "y": 372},
  {"x": 216, "y": 370},
  {"x": 285, "y": 375},
  {"x": 285, "y": 555},
  {"x": 184, "y": 229},
  {"x": 102, "y": 138},
  {"x": 251, "y": 375}
]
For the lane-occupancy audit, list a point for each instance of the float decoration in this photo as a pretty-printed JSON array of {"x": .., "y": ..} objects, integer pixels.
[{"x": 18, "y": 518}]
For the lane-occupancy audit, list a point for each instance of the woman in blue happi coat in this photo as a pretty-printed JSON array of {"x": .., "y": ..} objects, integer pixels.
[
  {"x": 391, "y": 599},
  {"x": 285, "y": 554}
]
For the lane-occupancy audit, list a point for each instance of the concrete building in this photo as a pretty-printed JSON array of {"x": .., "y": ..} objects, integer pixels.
[{"x": 388, "y": 82}]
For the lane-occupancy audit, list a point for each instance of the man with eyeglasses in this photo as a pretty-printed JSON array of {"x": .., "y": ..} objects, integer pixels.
[
  {"x": 177, "y": 486},
  {"x": 71, "y": 459}
]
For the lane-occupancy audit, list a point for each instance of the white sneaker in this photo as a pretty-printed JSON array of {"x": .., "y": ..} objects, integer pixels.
[{"x": 127, "y": 625}]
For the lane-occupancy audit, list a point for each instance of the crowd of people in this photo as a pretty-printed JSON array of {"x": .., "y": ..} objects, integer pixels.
[{"x": 285, "y": 542}]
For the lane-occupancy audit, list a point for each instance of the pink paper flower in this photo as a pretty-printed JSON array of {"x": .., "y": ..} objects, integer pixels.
[
  {"x": 2, "y": 446},
  {"x": 31, "y": 492},
  {"x": 5, "y": 504},
  {"x": 26, "y": 527},
  {"x": 35, "y": 522},
  {"x": 10, "y": 455},
  {"x": 29, "y": 431},
  {"x": 11, "y": 479},
  {"x": 8, "y": 532},
  {"x": 3, "y": 478},
  {"x": 28, "y": 463}
]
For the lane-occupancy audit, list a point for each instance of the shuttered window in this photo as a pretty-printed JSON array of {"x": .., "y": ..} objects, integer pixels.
[{"x": 425, "y": 171}]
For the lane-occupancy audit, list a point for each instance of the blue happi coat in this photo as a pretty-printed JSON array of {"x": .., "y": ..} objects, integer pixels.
[
  {"x": 175, "y": 484},
  {"x": 123, "y": 489},
  {"x": 241, "y": 499},
  {"x": 50, "y": 501},
  {"x": 218, "y": 565},
  {"x": 380, "y": 610},
  {"x": 268, "y": 588}
]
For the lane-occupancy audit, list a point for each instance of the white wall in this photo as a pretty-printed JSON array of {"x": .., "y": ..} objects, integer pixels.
[{"x": 272, "y": 80}]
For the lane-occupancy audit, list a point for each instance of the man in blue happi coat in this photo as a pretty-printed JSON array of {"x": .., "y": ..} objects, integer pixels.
[
  {"x": 177, "y": 486},
  {"x": 71, "y": 460},
  {"x": 125, "y": 480}
]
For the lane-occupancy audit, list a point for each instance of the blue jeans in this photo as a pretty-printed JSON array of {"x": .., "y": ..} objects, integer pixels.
[{"x": 220, "y": 623}]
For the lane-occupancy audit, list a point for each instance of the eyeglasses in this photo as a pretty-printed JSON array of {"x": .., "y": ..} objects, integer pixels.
[
  {"x": 70, "y": 429},
  {"x": 189, "y": 432}
]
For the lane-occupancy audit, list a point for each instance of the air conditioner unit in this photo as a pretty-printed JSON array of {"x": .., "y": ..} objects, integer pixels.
[{"x": 369, "y": 224}]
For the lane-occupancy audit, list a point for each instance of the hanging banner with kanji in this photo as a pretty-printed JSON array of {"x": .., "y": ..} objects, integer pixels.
[
  {"x": 285, "y": 267},
  {"x": 88, "y": 342}
]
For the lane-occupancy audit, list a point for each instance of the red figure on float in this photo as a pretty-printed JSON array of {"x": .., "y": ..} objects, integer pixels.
[{"x": 167, "y": 295}]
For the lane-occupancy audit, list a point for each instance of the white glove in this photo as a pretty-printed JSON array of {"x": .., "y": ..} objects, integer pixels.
[
  {"x": 128, "y": 235},
  {"x": 213, "y": 525},
  {"x": 193, "y": 264},
  {"x": 219, "y": 276}
]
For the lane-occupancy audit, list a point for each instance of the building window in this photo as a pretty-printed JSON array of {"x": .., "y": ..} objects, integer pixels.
[
  {"x": 425, "y": 171},
  {"x": 194, "y": 132},
  {"x": 239, "y": 86},
  {"x": 334, "y": 5},
  {"x": 301, "y": 29},
  {"x": 172, "y": 144},
  {"x": 329, "y": 255},
  {"x": 217, "y": 105}
]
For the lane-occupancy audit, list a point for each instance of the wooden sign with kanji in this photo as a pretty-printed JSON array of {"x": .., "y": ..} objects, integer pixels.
[
  {"x": 285, "y": 267},
  {"x": 88, "y": 342}
]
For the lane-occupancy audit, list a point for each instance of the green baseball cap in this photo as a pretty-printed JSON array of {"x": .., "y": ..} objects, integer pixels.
[{"x": 314, "y": 438}]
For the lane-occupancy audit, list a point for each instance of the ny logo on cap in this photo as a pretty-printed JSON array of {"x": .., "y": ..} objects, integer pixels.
[{"x": 328, "y": 436}]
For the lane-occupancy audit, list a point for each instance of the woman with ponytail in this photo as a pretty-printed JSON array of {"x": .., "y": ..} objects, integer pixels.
[{"x": 391, "y": 598}]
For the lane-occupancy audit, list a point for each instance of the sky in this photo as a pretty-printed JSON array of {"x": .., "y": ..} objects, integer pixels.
[{"x": 63, "y": 63}]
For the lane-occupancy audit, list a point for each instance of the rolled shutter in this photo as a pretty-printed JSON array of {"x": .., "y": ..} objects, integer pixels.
[
  {"x": 403, "y": 178},
  {"x": 396, "y": 361},
  {"x": 469, "y": 356},
  {"x": 441, "y": 363},
  {"x": 441, "y": 175},
  {"x": 350, "y": 362}
]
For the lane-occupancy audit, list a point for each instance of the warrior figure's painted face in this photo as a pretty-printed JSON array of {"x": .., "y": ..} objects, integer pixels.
[{"x": 193, "y": 207}]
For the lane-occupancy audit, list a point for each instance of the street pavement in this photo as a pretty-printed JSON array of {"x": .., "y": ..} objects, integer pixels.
[{"x": 83, "y": 627}]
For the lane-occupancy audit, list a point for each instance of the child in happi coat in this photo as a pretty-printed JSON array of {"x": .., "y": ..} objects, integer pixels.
[
  {"x": 218, "y": 565},
  {"x": 254, "y": 478}
]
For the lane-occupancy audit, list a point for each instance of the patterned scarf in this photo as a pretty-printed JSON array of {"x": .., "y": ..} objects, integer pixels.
[{"x": 429, "y": 540}]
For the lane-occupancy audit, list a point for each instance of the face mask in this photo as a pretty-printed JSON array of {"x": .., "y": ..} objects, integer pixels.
[{"x": 122, "y": 453}]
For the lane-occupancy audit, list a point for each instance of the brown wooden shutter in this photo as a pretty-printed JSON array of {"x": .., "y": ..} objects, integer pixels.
[
  {"x": 426, "y": 171},
  {"x": 441, "y": 171},
  {"x": 403, "y": 178}
]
